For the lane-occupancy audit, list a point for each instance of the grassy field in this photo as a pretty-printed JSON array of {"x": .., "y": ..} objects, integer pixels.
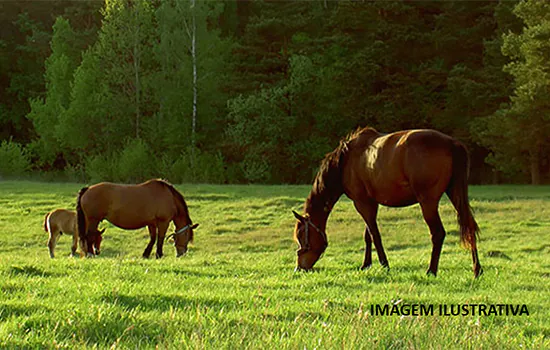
[{"x": 236, "y": 287}]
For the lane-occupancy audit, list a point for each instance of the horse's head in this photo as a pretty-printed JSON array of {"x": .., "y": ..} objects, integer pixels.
[
  {"x": 96, "y": 242},
  {"x": 92, "y": 242},
  {"x": 182, "y": 237},
  {"x": 312, "y": 241}
]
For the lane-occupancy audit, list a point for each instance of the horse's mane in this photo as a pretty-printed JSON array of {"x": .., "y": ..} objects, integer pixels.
[
  {"x": 327, "y": 186},
  {"x": 180, "y": 198}
]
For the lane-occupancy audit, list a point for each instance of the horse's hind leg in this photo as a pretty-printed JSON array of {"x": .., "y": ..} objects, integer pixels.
[
  {"x": 52, "y": 241},
  {"x": 368, "y": 211},
  {"x": 437, "y": 231},
  {"x": 477, "y": 266},
  {"x": 153, "y": 235}
]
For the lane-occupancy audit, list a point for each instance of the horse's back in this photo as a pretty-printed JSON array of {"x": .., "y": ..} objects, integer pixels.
[
  {"x": 427, "y": 159},
  {"x": 394, "y": 168},
  {"x": 129, "y": 206},
  {"x": 62, "y": 220}
]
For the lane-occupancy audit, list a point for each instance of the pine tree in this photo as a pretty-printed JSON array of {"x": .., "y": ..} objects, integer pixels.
[
  {"x": 519, "y": 131},
  {"x": 112, "y": 92},
  {"x": 60, "y": 67}
]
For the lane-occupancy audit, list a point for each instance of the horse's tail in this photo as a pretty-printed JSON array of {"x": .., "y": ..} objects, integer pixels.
[
  {"x": 80, "y": 217},
  {"x": 458, "y": 194},
  {"x": 46, "y": 223}
]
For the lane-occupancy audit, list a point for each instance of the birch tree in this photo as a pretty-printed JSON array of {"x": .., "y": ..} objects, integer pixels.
[{"x": 191, "y": 57}]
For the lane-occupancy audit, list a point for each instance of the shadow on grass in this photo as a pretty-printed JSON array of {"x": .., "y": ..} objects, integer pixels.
[
  {"x": 209, "y": 198},
  {"x": 191, "y": 273},
  {"x": 494, "y": 197},
  {"x": 539, "y": 249},
  {"x": 396, "y": 247},
  {"x": 284, "y": 202},
  {"x": 163, "y": 303},
  {"x": 7, "y": 311},
  {"x": 497, "y": 254},
  {"x": 29, "y": 271}
]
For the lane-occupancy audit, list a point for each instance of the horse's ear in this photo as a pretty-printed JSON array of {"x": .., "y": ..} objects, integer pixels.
[
  {"x": 194, "y": 226},
  {"x": 298, "y": 216}
]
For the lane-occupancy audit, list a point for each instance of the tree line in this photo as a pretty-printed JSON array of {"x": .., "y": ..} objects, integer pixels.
[{"x": 259, "y": 91}]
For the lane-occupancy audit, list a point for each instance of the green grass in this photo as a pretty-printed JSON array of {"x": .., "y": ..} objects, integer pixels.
[{"x": 236, "y": 287}]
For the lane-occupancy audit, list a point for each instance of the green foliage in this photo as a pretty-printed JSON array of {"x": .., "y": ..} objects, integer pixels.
[
  {"x": 75, "y": 173},
  {"x": 101, "y": 168},
  {"x": 135, "y": 163},
  {"x": 44, "y": 113},
  {"x": 520, "y": 130},
  {"x": 194, "y": 167},
  {"x": 14, "y": 159},
  {"x": 278, "y": 84},
  {"x": 261, "y": 127},
  {"x": 236, "y": 287},
  {"x": 173, "y": 82},
  {"x": 84, "y": 124}
]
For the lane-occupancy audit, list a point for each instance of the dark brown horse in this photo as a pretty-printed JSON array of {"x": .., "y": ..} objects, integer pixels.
[
  {"x": 153, "y": 204},
  {"x": 395, "y": 170}
]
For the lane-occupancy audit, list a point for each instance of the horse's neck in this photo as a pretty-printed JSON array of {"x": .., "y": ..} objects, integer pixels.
[
  {"x": 181, "y": 220},
  {"x": 319, "y": 205}
]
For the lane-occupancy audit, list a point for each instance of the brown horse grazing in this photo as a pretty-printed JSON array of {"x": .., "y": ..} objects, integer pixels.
[
  {"x": 153, "y": 204},
  {"x": 61, "y": 221},
  {"x": 395, "y": 170}
]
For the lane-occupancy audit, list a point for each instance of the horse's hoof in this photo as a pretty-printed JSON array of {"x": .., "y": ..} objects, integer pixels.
[
  {"x": 431, "y": 273},
  {"x": 478, "y": 272},
  {"x": 366, "y": 266},
  {"x": 90, "y": 255}
]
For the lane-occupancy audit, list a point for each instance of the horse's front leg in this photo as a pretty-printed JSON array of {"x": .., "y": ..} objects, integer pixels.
[
  {"x": 367, "y": 261},
  {"x": 369, "y": 211},
  {"x": 162, "y": 228},
  {"x": 153, "y": 238}
]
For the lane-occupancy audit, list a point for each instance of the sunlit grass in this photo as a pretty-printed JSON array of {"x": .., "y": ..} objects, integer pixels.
[{"x": 236, "y": 287}]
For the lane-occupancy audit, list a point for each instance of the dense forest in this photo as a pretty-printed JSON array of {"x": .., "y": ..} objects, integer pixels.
[{"x": 258, "y": 91}]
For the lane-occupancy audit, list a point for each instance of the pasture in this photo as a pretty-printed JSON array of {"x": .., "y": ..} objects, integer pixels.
[{"x": 236, "y": 287}]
